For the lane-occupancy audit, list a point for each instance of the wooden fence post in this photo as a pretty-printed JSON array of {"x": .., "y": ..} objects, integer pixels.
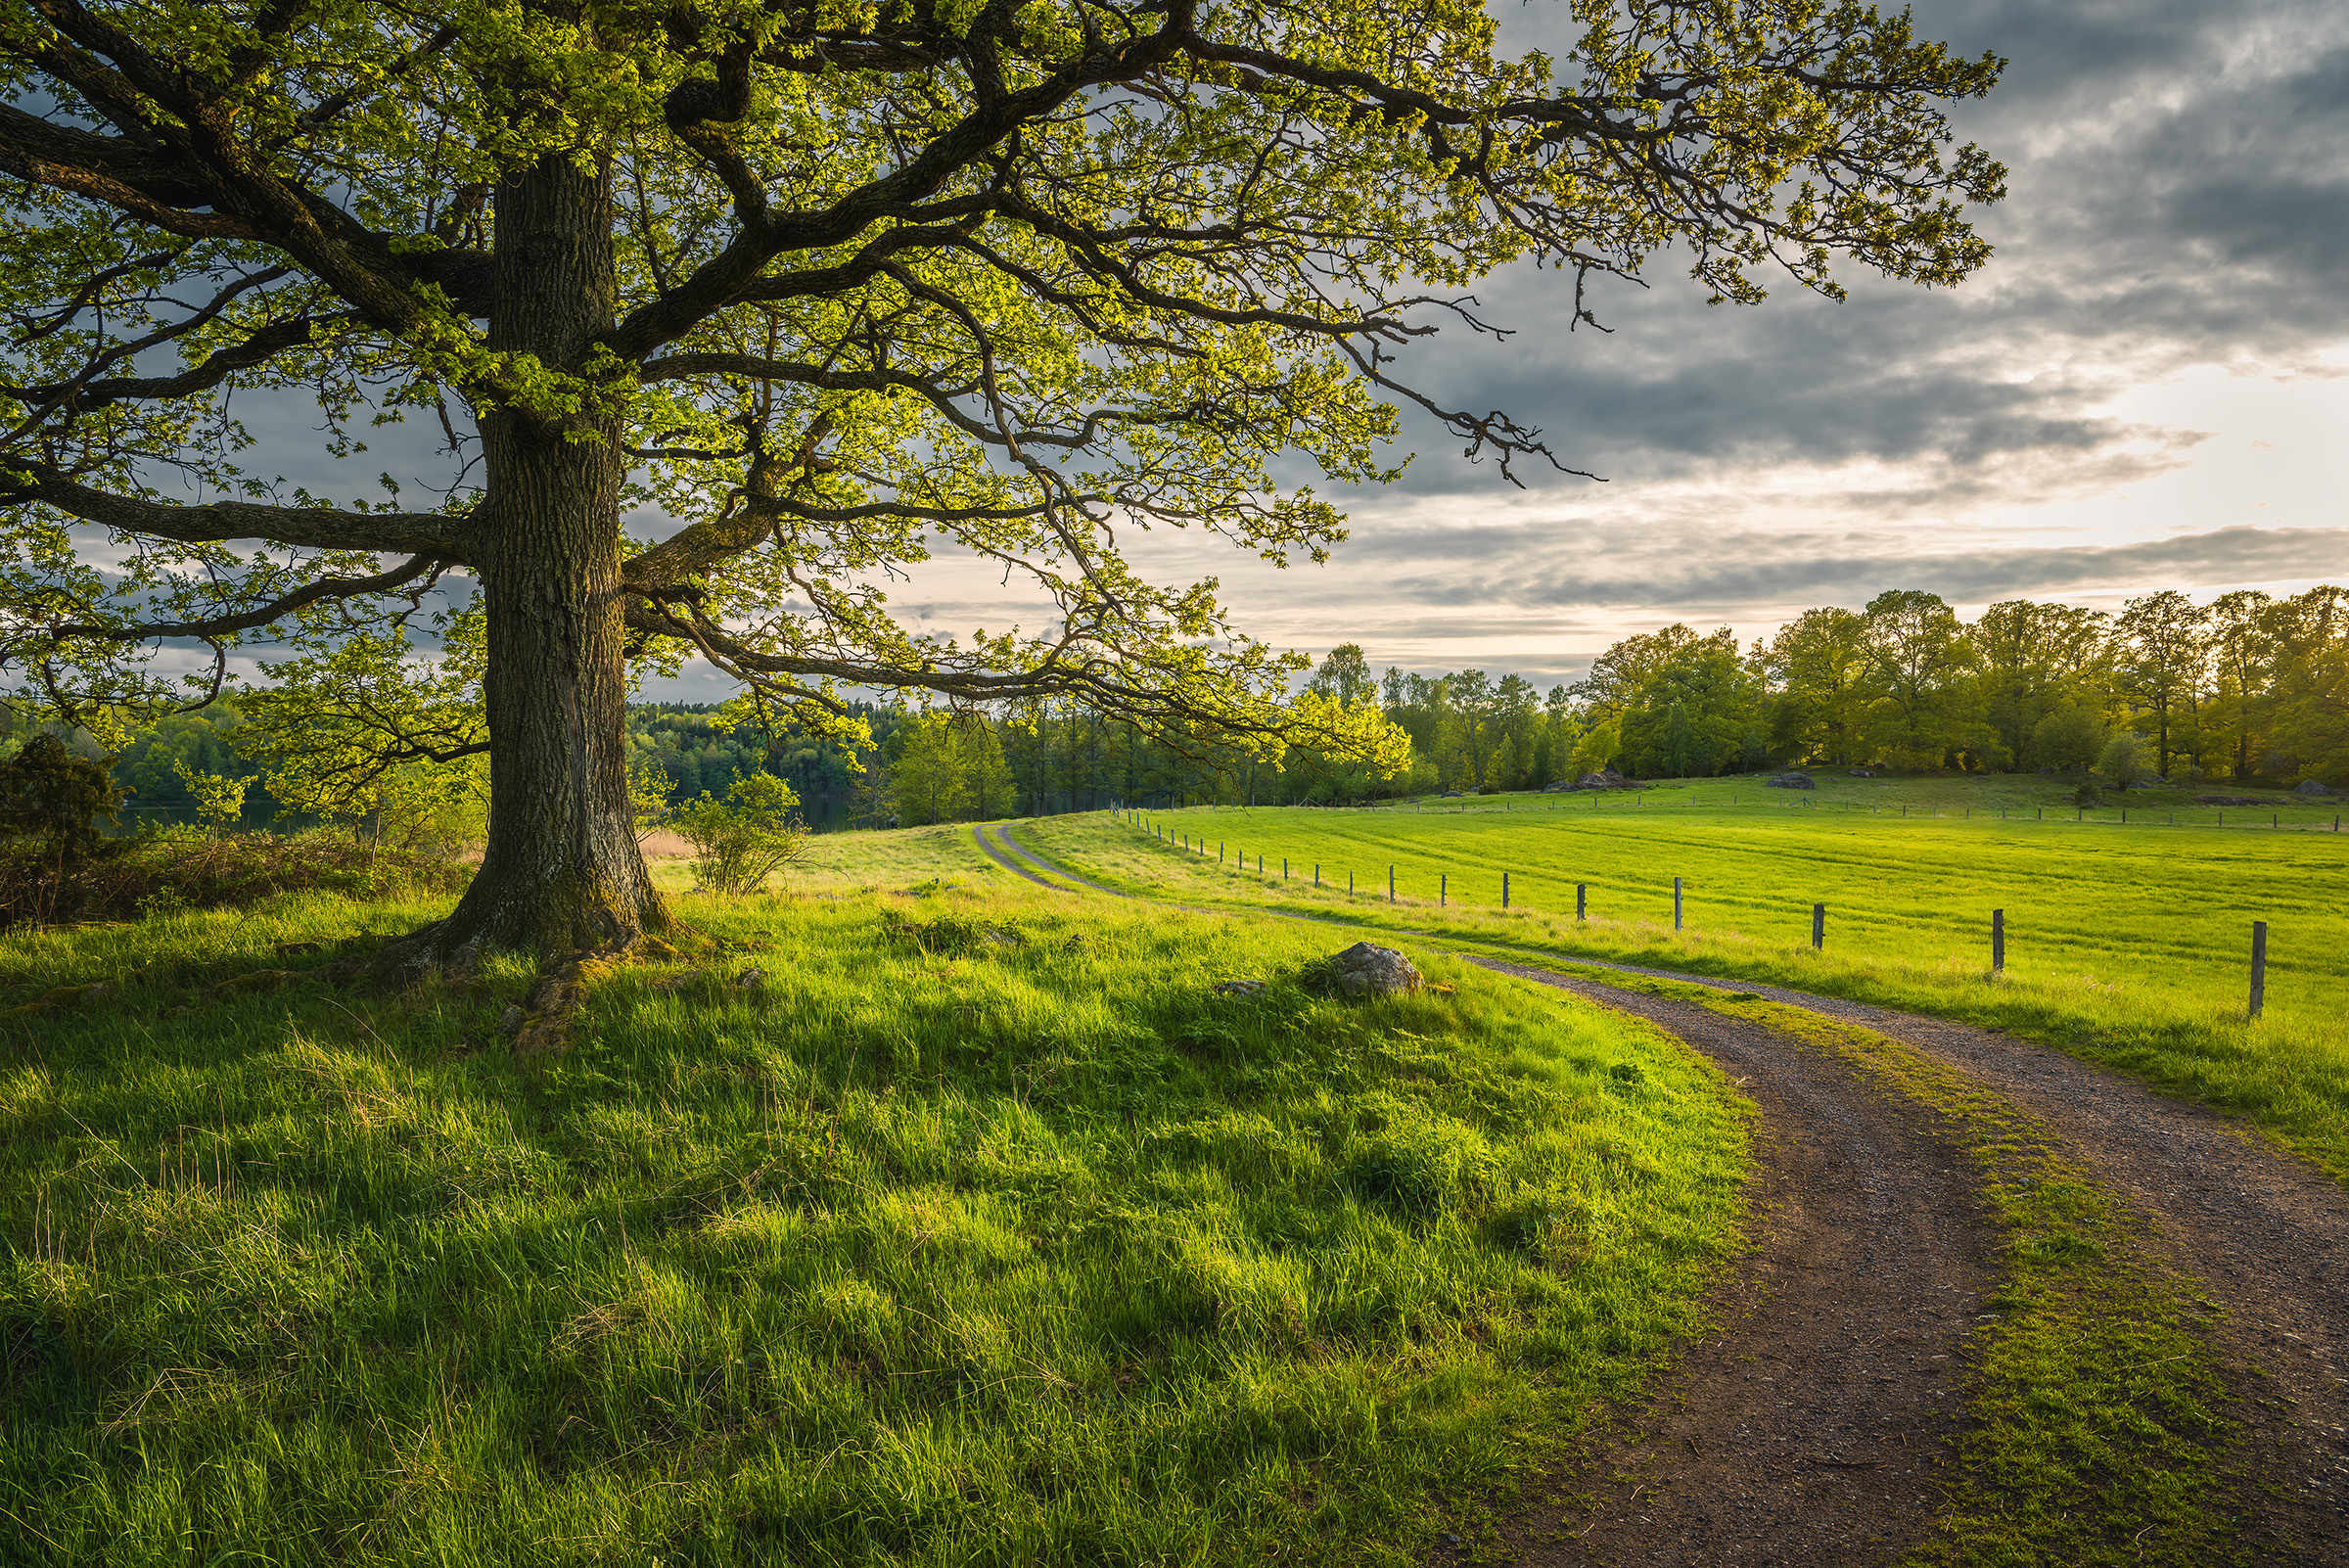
[
  {"x": 1505, "y": 890},
  {"x": 1348, "y": 884},
  {"x": 2259, "y": 966},
  {"x": 1582, "y": 900},
  {"x": 1997, "y": 939},
  {"x": 1442, "y": 890},
  {"x": 1675, "y": 903},
  {"x": 1390, "y": 884},
  {"x": 1819, "y": 927}
]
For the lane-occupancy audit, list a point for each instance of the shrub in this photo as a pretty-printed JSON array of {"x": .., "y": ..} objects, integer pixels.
[
  {"x": 50, "y": 796},
  {"x": 2127, "y": 761},
  {"x": 50, "y": 803},
  {"x": 2068, "y": 739},
  {"x": 745, "y": 838}
]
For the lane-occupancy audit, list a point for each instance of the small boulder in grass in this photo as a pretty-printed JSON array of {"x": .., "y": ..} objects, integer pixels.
[
  {"x": 1364, "y": 970},
  {"x": 1239, "y": 988}
]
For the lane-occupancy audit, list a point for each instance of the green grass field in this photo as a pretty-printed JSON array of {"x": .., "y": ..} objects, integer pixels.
[
  {"x": 2129, "y": 944},
  {"x": 983, "y": 1232}
]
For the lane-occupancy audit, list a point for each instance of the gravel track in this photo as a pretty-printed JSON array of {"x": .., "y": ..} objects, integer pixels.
[
  {"x": 1809, "y": 1427},
  {"x": 2262, "y": 1232},
  {"x": 1865, "y": 1220}
]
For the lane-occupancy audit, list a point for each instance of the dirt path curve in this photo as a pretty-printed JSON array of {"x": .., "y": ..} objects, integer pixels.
[
  {"x": 1807, "y": 1429},
  {"x": 2265, "y": 1233}
]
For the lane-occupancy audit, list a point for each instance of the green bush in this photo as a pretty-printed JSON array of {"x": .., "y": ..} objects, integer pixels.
[
  {"x": 2127, "y": 761},
  {"x": 2067, "y": 739},
  {"x": 745, "y": 838},
  {"x": 54, "y": 798}
]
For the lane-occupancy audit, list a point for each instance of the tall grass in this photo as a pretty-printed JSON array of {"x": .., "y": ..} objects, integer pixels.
[
  {"x": 2127, "y": 945},
  {"x": 982, "y": 1230}
]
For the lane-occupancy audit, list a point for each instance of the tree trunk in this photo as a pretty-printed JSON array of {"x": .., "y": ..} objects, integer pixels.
[{"x": 562, "y": 873}]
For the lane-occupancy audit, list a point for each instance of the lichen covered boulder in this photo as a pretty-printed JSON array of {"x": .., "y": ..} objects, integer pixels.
[{"x": 1364, "y": 970}]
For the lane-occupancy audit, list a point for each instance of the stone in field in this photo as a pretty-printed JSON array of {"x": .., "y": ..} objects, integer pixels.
[
  {"x": 1364, "y": 970},
  {"x": 1790, "y": 781}
]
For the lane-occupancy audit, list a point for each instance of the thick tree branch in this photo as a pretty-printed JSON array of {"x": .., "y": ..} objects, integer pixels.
[
  {"x": 416, "y": 567},
  {"x": 257, "y": 349},
  {"x": 425, "y": 533}
]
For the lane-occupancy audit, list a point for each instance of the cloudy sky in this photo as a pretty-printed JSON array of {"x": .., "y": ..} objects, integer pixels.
[{"x": 2147, "y": 387}]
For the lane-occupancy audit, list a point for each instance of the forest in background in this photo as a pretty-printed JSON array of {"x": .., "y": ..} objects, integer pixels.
[{"x": 2250, "y": 688}]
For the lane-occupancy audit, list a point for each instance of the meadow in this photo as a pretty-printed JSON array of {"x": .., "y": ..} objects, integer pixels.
[
  {"x": 979, "y": 1228},
  {"x": 2127, "y": 942}
]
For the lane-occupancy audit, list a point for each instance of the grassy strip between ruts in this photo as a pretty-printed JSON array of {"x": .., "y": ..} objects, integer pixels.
[
  {"x": 2094, "y": 1434},
  {"x": 984, "y": 1230}
]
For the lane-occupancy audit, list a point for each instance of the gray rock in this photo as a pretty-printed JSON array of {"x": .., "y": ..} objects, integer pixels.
[
  {"x": 1239, "y": 988},
  {"x": 751, "y": 978},
  {"x": 1364, "y": 970},
  {"x": 1790, "y": 781},
  {"x": 2310, "y": 787}
]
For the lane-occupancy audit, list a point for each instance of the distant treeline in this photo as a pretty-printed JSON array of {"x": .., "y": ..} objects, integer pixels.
[{"x": 2249, "y": 687}]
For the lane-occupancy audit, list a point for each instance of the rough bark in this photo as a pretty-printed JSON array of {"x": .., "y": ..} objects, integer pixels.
[{"x": 563, "y": 873}]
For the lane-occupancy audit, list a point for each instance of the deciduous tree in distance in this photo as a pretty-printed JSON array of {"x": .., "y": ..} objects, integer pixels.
[{"x": 828, "y": 284}]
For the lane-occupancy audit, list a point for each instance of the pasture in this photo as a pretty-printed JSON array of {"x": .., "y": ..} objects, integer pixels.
[
  {"x": 2129, "y": 944},
  {"x": 980, "y": 1229}
]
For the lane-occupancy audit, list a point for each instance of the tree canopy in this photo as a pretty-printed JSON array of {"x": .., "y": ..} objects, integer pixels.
[{"x": 830, "y": 289}]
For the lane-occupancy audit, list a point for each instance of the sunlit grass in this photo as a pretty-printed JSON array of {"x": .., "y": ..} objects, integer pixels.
[
  {"x": 984, "y": 1230},
  {"x": 2130, "y": 944}
]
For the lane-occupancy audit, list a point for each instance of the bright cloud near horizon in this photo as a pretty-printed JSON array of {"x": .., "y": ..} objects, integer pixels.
[{"x": 2147, "y": 387}]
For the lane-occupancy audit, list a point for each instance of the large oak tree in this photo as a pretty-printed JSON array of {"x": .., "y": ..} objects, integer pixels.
[{"x": 828, "y": 283}]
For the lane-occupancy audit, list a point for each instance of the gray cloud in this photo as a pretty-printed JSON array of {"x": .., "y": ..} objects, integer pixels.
[{"x": 2180, "y": 195}]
